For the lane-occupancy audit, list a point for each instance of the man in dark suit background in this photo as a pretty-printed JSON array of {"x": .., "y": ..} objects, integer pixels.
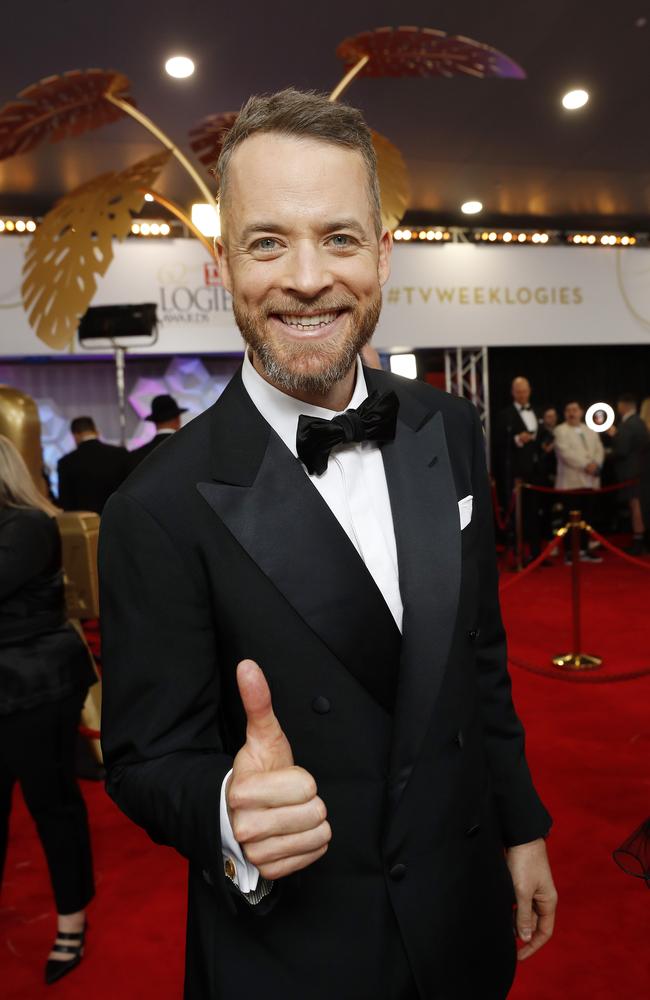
[
  {"x": 166, "y": 415},
  {"x": 88, "y": 475},
  {"x": 517, "y": 450},
  {"x": 305, "y": 684},
  {"x": 630, "y": 441}
]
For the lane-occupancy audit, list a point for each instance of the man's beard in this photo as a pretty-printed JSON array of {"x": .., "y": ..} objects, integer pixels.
[{"x": 307, "y": 366}]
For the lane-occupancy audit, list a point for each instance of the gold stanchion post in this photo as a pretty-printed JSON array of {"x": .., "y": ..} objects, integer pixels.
[{"x": 576, "y": 660}]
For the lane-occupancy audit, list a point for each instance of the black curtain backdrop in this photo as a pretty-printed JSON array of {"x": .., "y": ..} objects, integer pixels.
[{"x": 559, "y": 374}]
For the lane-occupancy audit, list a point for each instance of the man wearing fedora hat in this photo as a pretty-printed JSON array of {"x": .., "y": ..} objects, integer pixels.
[{"x": 166, "y": 415}]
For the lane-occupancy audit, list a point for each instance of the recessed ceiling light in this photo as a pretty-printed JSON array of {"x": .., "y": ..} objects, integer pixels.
[
  {"x": 575, "y": 99},
  {"x": 179, "y": 67},
  {"x": 148, "y": 197},
  {"x": 471, "y": 207}
]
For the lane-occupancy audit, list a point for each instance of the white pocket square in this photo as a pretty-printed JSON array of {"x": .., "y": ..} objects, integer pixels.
[{"x": 465, "y": 511}]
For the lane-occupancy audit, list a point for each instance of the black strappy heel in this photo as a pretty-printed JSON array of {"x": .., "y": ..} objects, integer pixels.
[{"x": 55, "y": 970}]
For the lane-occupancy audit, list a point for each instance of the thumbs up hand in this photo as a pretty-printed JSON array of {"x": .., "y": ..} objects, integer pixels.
[{"x": 275, "y": 812}]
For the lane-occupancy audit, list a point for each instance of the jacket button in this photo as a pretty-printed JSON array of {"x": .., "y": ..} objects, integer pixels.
[
  {"x": 473, "y": 634},
  {"x": 473, "y": 830},
  {"x": 321, "y": 705},
  {"x": 397, "y": 872},
  {"x": 458, "y": 739}
]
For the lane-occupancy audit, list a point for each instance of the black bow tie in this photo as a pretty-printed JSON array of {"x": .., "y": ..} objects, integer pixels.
[
  {"x": 526, "y": 407},
  {"x": 375, "y": 420}
]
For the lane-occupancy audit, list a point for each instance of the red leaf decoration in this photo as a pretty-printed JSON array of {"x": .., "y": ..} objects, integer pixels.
[
  {"x": 206, "y": 138},
  {"x": 409, "y": 51},
  {"x": 60, "y": 107}
]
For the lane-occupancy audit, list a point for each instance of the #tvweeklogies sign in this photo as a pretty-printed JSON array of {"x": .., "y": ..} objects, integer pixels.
[{"x": 437, "y": 296}]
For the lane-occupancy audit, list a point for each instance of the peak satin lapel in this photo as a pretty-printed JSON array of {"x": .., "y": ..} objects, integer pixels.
[
  {"x": 282, "y": 522},
  {"x": 427, "y": 530}
]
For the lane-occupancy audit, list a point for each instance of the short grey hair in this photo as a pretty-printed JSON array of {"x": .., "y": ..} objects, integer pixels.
[{"x": 303, "y": 115}]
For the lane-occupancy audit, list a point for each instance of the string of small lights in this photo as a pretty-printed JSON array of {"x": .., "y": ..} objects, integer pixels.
[
  {"x": 12, "y": 225},
  {"x": 17, "y": 224},
  {"x": 417, "y": 234}
]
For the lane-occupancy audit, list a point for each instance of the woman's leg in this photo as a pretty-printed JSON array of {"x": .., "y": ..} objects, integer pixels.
[{"x": 53, "y": 798}]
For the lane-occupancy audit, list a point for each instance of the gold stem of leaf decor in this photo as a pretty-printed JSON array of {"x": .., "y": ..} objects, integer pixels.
[
  {"x": 348, "y": 78},
  {"x": 128, "y": 109},
  {"x": 176, "y": 210}
]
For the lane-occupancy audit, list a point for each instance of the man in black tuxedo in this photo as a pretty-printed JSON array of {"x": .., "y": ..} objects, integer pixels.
[
  {"x": 305, "y": 684},
  {"x": 630, "y": 442},
  {"x": 88, "y": 475},
  {"x": 166, "y": 415},
  {"x": 517, "y": 448}
]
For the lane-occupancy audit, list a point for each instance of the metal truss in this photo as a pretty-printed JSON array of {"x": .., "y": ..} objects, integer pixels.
[{"x": 467, "y": 374}]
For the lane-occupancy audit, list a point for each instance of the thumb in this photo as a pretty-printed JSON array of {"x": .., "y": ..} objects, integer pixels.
[
  {"x": 524, "y": 917},
  {"x": 261, "y": 722}
]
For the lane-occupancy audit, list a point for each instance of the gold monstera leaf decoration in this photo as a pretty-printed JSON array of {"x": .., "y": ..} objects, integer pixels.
[
  {"x": 60, "y": 107},
  {"x": 73, "y": 247},
  {"x": 206, "y": 138},
  {"x": 393, "y": 180}
]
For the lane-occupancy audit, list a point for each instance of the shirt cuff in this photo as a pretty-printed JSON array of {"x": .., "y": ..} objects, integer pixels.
[{"x": 237, "y": 868}]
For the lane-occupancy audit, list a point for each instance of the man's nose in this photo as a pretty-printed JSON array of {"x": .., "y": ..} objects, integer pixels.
[{"x": 308, "y": 272}]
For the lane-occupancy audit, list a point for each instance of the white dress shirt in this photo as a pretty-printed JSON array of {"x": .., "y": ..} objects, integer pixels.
[{"x": 354, "y": 488}]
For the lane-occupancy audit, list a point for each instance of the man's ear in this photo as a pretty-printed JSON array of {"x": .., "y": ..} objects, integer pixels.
[
  {"x": 385, "y": 250},
  {"x": 222, "y": 258}
]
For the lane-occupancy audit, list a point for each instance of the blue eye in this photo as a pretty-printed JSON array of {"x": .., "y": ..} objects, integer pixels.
[
  {"x": 267, "y": 243},
  {"x": 341, "y": 237}
]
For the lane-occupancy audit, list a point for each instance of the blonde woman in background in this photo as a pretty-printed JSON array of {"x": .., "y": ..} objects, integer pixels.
[{"x": 45, "y": 673}]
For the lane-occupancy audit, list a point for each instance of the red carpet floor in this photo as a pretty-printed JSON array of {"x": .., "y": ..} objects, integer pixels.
[{"x": 589, "y": 747}]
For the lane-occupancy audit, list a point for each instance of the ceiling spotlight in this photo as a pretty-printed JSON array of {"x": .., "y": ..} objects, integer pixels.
[
  {"x": 9, "y": 225},
  {"x": 30, "y": 226},
  {"x": 507, "y": 237},
  {"x": 144, "y": 228},
  {"x": 20, "y": 226},
  {"x": 135, "y": 228},
  {"x": 575, "y": 99},
  {"x": 149, "y": 197},
  {"x": 179, "y": 67},
  {"x": 2, "y": 225},
  {"x": 471, "y": 207},
  {"x": 492, "y": 237},
  {"x": 521, "y": 238},
  {"x": 397, "y": 235},
  {"x": 164, "y": 229}
]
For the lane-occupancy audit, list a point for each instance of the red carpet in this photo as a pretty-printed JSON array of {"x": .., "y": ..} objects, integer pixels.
[{"x": 589, "y": 747}]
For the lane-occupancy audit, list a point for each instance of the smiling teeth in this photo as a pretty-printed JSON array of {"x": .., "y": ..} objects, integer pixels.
[{"x": 309, "y": 322}]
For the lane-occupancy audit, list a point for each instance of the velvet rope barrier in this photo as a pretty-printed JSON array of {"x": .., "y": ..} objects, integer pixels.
[
  {"x": 581, "y": 491},
  {"x": 502, "y": 519},
  {"x": 553, "y": 544},
  {"x": 615, "y": 549}
]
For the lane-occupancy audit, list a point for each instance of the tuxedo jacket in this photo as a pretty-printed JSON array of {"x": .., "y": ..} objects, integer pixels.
[
  {"x": 89, "y": 474},
  {"x": 629, "y": 446},
  {"x": 514, "y": 461},
  {"x": 136, "y": 456},
  {"x": 220, "y": 548}
]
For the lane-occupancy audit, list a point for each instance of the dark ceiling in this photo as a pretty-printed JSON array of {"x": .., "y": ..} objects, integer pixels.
[{"x": 507, "y": 142}]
